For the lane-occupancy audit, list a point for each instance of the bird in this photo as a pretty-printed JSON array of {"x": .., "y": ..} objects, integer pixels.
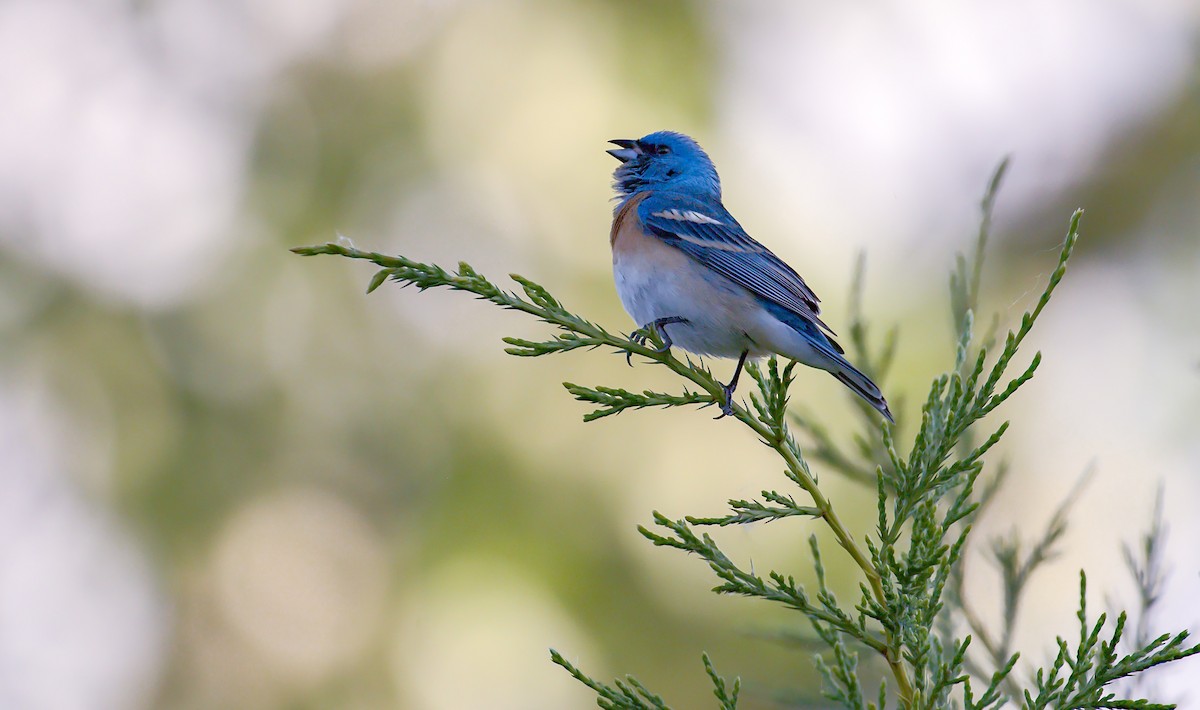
[{"x": 685, "y": 269}]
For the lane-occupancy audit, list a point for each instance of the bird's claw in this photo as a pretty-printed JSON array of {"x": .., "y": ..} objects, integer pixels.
[
  {"x": 727, "y": 407},
  {"x": 638, "y": 337},
  {"x": 642, "y": 335},
  {"x": 727, "y": 390}
]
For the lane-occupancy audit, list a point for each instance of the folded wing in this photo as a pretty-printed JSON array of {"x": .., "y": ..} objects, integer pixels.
[{"x": 707, "y": 232}]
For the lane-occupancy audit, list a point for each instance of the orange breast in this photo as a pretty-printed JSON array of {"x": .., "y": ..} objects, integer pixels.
[
  {"x": 631, "y": 244},
  {"x": 625, "y": 218}
]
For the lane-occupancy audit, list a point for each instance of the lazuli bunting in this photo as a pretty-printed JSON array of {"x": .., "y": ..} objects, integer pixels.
[{"x": 685, "y": 267}]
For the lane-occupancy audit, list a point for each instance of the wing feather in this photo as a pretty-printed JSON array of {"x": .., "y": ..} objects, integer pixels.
[{"x": 707, "y": 232}]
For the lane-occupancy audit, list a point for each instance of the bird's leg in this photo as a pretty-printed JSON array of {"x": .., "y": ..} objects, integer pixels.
[
  {"x": 727, "y": 408},
  {"x": 641, "y": 334}
]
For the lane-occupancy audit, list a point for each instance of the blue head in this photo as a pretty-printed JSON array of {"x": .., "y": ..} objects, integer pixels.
[{"x": 665, "y": 160}]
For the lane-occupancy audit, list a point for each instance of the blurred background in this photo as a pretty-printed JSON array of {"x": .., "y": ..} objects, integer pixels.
[{"x": 228, "y": 479}]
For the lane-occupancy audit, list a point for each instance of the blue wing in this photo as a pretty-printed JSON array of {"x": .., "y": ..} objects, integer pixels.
[{"x": 705, "y": 231}]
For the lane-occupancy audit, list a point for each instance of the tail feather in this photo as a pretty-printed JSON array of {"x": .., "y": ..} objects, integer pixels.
[
  {"x": 820, "y": 350},
  {"x": 862, "y": 386}
]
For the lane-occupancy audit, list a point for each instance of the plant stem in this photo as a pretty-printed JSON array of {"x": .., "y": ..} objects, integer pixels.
[
  {"x": 778, "y": 438},
  {"x": 782, "y": 443}
]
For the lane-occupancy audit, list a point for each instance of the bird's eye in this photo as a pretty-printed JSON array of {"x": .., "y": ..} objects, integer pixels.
[{"x": 662, "y": 149}]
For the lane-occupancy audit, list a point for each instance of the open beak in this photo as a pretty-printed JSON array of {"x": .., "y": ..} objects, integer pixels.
[{"x": 628, "y": 151}]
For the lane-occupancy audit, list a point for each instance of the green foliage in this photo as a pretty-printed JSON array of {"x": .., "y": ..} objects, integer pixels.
[
  {"x": 1079, "y": 677},
  {"x": 627, "y": 694},
  {"x": 911, "y": 601}
]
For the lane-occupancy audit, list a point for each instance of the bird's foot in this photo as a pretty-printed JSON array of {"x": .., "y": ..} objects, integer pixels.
[
  {"x": 727, "y": 390},
  {"x": 641, "y": 335},
  {"x": 727, "y": 407}
]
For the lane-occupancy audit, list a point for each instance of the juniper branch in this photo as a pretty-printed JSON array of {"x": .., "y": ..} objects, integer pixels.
[
  {"x": 768, "y": 419},
  {"x": 926, "y": 503},
  {"x": 577, "y": 332},
  {"x": 1079, "y": 677},
  {"x": 628, "y": 694}
]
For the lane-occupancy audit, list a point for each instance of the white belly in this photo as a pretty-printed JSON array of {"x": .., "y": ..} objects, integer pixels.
[{"x": 717, "y": 310}]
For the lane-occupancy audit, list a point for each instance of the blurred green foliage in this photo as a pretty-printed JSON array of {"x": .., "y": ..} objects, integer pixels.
[{"x": 304, "y": 469}]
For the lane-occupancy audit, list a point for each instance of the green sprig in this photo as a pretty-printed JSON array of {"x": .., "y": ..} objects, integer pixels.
[{"x": 910, "y": 590}]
